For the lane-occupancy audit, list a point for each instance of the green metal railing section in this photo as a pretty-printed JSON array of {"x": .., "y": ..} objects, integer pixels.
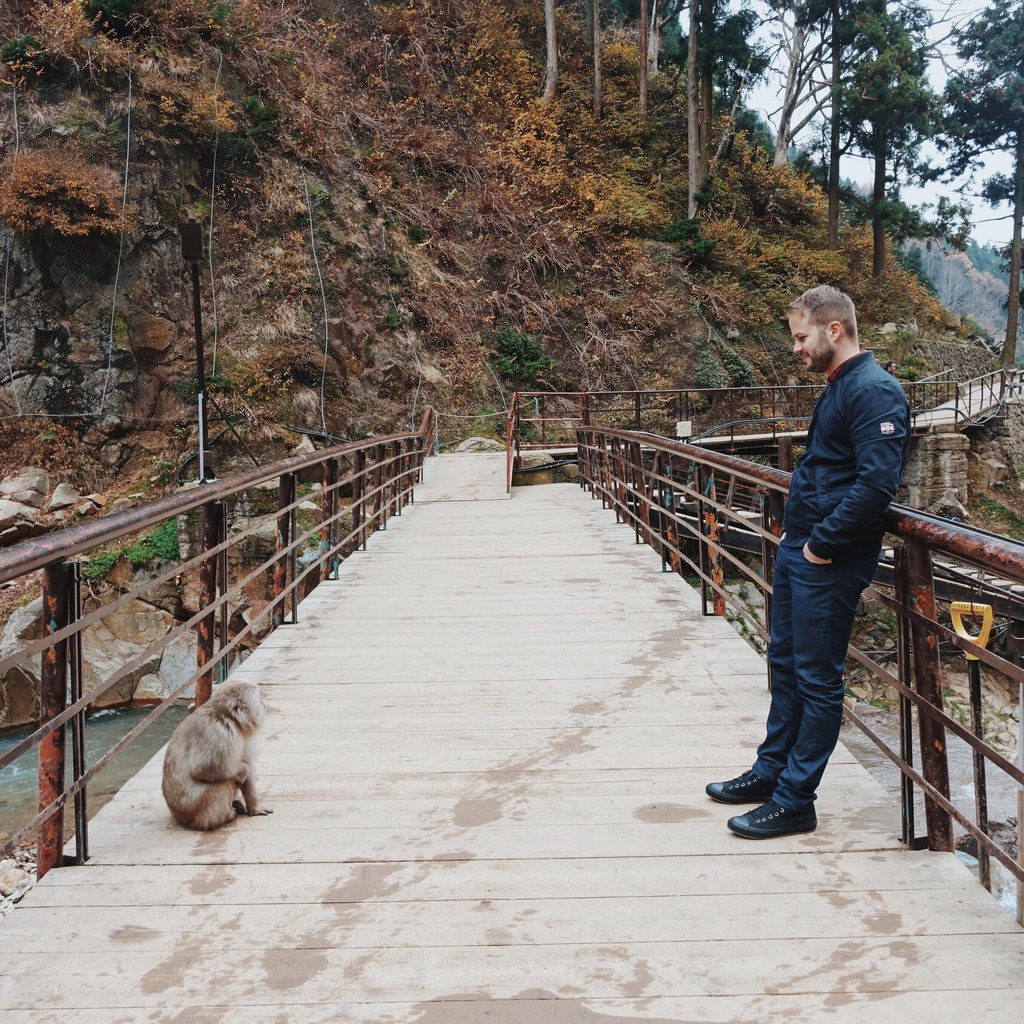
[
  {"x": 362, "y": 485},
  {"x": 717, "y": 519}
]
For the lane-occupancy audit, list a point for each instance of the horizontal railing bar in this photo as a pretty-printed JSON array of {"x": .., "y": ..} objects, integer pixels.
[{"x": 29, "y": 555}]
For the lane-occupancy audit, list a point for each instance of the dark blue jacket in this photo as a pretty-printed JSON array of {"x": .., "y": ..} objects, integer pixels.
[{"x": 856, "y": 449}]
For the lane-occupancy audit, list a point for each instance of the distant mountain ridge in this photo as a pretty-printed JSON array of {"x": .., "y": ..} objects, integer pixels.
[{"x": 961, "y": 286}]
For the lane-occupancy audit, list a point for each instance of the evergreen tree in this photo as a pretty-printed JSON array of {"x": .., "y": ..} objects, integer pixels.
[
  {"x": 985, "y": 115},
  {"x": 890, "y": 110}
]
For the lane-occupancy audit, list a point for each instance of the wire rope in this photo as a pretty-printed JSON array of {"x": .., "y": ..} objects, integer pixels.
[
  {"x": 323, "y": 300},
  {"x": 209, "y": 233},
  {"x": 120, "y": 251},
  {"x": 7, "y": 261}
]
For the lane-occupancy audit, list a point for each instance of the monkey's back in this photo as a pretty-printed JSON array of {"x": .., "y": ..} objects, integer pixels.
[{"x": 203, "y": 757}]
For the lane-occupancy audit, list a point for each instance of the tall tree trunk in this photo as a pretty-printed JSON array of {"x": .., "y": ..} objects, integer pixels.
[
  {"x": 588, "y": 23},
  {"x": 654, "y": 37},
  {"x": 597, "y": 58},
  {"x": 833, "y": 154},
  {"x": 551, "y": 83},
  {"x": 790, "y": 96},
  {"x": 693, "y": 110},
  {"x": 644, "y": 42},
  {"x": 877, "y": 201},
  {"x": 1013, "y": 303}
]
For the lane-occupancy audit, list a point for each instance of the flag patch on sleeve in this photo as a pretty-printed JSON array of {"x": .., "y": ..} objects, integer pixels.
[{"x": 887, "y": 427}]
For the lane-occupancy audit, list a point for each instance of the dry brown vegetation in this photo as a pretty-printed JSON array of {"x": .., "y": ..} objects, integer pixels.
[{"x": 455, "y": 203}]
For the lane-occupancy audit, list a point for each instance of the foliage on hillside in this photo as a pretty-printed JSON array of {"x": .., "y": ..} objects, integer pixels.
[{"x": 458, "y": 205}]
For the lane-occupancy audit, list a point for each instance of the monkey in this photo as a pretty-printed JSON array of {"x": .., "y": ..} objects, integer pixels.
[{"x": 209, "y": 758}]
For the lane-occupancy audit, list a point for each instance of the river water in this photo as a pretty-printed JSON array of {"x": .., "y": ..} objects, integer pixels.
[{"x": 18, "y": 782}]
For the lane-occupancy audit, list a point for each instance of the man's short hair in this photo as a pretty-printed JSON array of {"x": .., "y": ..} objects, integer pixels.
[{"x": 824, "y": 304}]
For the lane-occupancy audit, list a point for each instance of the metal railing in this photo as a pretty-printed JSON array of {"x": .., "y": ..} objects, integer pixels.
[
  {"x": 731, "y": 417},
  {"x": 540, "y": 420},
  {"x": 363, "y": 484},
  {"x": 690, "y": 504}
]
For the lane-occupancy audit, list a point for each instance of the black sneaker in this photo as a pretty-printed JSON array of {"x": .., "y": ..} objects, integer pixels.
[
  {"x": 771, "y": 820},
  {"x": 747, "y": 788}
]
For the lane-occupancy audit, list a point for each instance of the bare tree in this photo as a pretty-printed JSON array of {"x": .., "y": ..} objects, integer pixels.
[
  {"x": 551, "y": 82},
  {"x": 644, "y": 51},
  {"x": 807, "y": 85},
  {"x": 596, "y": 4}
]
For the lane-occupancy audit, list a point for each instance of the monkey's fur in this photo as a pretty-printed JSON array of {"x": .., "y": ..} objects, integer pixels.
[{"x": 210, "y": 758}]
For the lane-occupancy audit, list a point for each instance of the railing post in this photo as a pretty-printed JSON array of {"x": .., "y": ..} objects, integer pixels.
[
  {"x": 52, "y": 698},
  {"x": 713, "y": 560},
  {"x": 918, "y": 592},
  {"x": 378, "y": 485},
  {"x": 285, "y": 497},
  {"x": 206, "y": 626},
  {"x": 358, "y": 503},
  {"x": 616, "y": 489},
  {"x": 675, "y": 560},
  {"x": 76, "y": 688},
  {"x": 329, "y": 531},
  {"x": 906, "y": 720}
]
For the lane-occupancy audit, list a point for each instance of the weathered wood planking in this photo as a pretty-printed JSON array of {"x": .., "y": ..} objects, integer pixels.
[{"x": 486, "y": 753}]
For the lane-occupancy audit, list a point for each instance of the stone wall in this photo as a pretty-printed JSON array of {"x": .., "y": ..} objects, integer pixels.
[
  {"x": 936, "y": 473},
  {"x": 967, "y": 359}
]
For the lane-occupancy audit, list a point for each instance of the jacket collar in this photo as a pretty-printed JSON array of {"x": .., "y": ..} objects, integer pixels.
[{"x": 849, "y": 364}]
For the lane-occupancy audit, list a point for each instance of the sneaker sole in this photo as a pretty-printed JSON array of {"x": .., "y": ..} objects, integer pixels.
[
  {"x": 771, "y": 835},
  {"x": 722, "y": 798}
]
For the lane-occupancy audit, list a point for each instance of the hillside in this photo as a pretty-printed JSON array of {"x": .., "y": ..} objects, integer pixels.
[
  {"x": 963, "y": 287},
  {"x": 392, "y": 207}
]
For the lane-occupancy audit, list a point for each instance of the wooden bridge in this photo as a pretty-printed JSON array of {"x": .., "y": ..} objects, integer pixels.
[{"x": 486, "y": 755}]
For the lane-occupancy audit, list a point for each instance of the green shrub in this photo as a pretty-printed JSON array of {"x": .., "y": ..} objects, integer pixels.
[
  {"x": 711, "y": 372},
  {"x": 741, "y": 372},
  {"x": 686, "y": 233},
  {"x": 25, "y": 53},
  {"x": 160, "y": 545},
  {"x": 111, "y": 15},
  {"x": 520, "y": 359},
  {"x": 100, "y": 565}
]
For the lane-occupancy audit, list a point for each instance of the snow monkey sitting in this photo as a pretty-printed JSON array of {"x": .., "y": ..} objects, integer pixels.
[{"x": 210, "y": 758}]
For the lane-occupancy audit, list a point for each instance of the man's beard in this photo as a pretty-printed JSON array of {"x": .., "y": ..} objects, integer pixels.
[{"x": 821, "y": 354}]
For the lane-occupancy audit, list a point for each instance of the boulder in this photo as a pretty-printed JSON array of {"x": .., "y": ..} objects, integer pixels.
[
  {"x": 64, "y": 496},
  {"x": 29, "y": 487},
  {"x": 118, "y": 639},
  {"x": 152, "y": 333},
  {"x": 480, "y": 444},
  {"x": 16, "y": 514},
  {"x": 176, "y": 665},
  {"x": 19, "y": 686}
]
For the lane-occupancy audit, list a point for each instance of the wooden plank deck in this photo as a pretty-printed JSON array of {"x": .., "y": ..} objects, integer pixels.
[{"x": 486, "y": 754}]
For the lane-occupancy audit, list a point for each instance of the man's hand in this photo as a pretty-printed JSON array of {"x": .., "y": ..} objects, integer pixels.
[{"x": 812, "y": 557}]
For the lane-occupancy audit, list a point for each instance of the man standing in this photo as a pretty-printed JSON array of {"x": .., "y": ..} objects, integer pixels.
[{"x": 832, "y": 536}]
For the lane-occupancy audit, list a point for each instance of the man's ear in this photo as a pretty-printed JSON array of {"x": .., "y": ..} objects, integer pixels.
[{"x": 835, "y": 329}]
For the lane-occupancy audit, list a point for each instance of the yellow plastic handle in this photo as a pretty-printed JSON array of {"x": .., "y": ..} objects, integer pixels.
[{"x": 958, "y": 609}]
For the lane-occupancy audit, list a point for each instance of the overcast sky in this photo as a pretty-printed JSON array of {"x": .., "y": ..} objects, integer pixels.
[{"x": 987, "y": 228}]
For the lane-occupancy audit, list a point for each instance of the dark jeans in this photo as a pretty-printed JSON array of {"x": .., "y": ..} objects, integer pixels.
[{"x": 813, "y": 608}]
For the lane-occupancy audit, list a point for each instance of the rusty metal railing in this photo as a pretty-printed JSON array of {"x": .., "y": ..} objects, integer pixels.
[
  {"x": 362, "y": 485},
  {"x": 540, "y": 420},
  {"x": 729, "y": 418},
  {"x": 713, "y": 516}
]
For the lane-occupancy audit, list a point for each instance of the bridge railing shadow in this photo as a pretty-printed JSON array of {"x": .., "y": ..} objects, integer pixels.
[
  {"x": 691, "y": 505},
  {"x": 233, "y": 560}
]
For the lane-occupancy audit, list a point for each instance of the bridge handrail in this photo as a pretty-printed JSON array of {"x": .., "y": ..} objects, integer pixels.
[
  {"x": 381, "y": 474},
  {"x": 687, "y": 502}
]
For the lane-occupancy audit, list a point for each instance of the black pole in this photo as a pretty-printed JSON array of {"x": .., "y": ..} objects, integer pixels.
[{"x": 192, "y": 252}]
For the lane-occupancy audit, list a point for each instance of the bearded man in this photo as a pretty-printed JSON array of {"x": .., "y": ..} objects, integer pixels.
[{"x": 832, "y": 536}]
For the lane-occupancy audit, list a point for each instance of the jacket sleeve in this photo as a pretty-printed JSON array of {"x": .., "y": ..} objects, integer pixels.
[{"x": 878, "y": 419}]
